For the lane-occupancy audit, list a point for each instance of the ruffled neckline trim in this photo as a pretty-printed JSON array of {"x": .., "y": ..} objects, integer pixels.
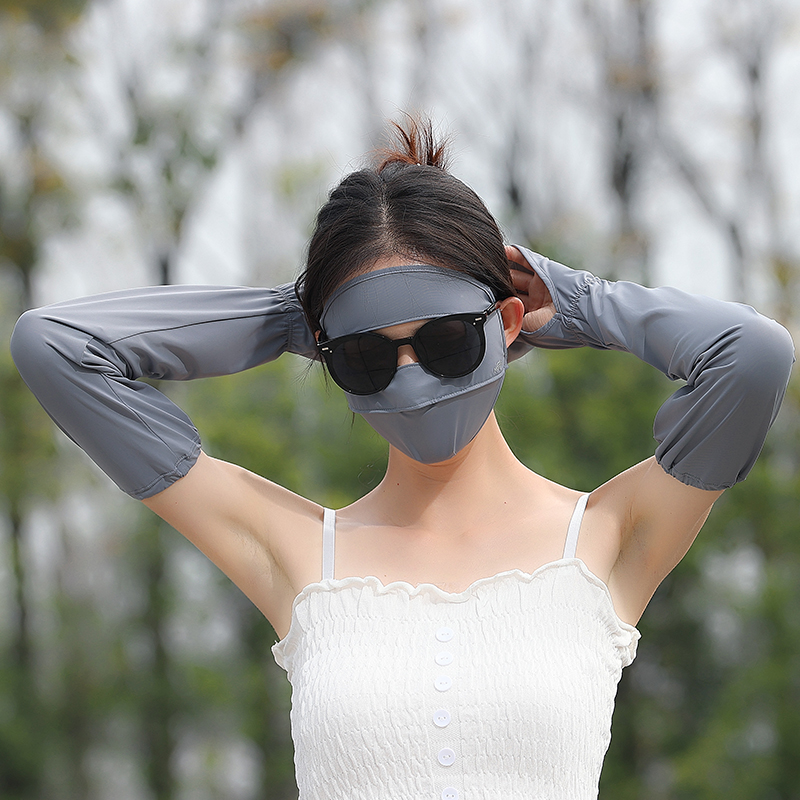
[{"x": 432, "y": 590}]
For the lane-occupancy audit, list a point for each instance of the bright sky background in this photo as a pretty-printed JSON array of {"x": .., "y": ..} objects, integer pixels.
[{"x": 475, "y": 80}]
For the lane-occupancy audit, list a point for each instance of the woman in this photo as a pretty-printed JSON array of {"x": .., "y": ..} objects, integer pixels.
[{"x": 460, "y": 630}]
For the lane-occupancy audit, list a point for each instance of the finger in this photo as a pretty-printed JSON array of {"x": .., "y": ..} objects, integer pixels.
[
  {"x": 512, "y": 254},
  {"x": 516, "y": 260},
  {"x": 521, "y": 280}
]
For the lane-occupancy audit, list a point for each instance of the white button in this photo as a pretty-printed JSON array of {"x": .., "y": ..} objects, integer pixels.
[
  {"x": 446, "y": 757},
  {"x": 444, "y": 657},
  {"x": 441, "y": 718},
  {"x": 443, "y": 683},
  {"x": 444, "y": 634},
  {"x": 449, "y": 793}
]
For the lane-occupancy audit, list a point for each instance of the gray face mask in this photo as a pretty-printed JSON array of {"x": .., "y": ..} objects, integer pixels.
[{"x": 427, "y": 417}]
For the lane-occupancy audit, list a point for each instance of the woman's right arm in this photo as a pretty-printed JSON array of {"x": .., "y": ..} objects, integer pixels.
[{"x": 83, "y": 358}]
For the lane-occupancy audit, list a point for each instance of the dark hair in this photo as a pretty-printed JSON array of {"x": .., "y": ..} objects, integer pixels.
[{"x": 407, "y": 205}]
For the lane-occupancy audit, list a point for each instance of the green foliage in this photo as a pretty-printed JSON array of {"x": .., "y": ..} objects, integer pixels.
[
  {"x": 26, "y": 452},
  {"x": 26, "y": 442},
  {"x": 285, "y": 422},
  {"x": 580, "y": 416}
]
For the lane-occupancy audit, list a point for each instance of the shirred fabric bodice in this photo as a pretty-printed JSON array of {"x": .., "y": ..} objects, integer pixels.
[{"x": 503, "y": 690}]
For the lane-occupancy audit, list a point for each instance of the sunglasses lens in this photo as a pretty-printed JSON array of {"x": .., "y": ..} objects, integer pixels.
[
  {"x": 363, "y": 364},
  {"x": 450, "y": 347}
]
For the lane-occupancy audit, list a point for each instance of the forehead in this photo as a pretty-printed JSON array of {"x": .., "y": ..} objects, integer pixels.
[{"x": 398, "y": 294}]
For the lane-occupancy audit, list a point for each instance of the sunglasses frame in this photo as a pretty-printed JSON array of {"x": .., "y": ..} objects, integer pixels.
[{"x": 476, "y": 319}]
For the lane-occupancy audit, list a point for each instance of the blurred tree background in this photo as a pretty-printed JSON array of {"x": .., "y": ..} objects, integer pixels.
[{"x": 192, "y": 141}]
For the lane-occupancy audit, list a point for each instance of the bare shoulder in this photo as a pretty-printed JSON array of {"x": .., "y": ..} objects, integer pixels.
[
  {"x": 264, "y": 537},
  {"x": 654, "y": 519}
]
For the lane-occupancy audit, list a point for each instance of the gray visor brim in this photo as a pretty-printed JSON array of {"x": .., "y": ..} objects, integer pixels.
[{"x": 396, "y": 295}]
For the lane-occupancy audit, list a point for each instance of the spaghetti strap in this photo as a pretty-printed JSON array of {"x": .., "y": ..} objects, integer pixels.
[
  {"x": 571, "y": 544},
  {"x": 328, "y": 543}
]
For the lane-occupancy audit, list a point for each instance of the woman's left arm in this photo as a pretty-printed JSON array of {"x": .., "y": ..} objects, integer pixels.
[{"x": 735, "y": 364}]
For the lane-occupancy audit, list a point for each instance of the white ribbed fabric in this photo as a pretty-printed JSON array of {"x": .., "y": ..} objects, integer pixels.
[{"x": 503, "y": 690}]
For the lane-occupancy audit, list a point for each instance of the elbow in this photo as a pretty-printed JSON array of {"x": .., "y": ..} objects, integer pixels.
[
  {"x": 765, "y": 359},
  {"x": 28, "y": 343},
  {"x": 787, "y": 345},
  {"x": 771, "y": 352}
]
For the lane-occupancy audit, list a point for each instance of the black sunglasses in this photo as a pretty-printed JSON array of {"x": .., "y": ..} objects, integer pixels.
[{"x": 365, "y": 363}]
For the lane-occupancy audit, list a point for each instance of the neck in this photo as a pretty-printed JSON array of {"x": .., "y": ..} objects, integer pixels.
[{"x": 475, "y": 482}]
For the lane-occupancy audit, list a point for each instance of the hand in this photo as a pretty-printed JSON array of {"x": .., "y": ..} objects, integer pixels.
[{"x": 539, "y": 307}]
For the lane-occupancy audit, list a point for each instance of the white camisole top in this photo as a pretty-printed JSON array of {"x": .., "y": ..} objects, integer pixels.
[{"x": 504, "y": 690}]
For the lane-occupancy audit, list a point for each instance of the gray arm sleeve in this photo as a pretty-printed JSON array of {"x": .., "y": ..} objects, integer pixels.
[
  {"x": 82, "y": 359},
  {"x": 734, "y": 361}
]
